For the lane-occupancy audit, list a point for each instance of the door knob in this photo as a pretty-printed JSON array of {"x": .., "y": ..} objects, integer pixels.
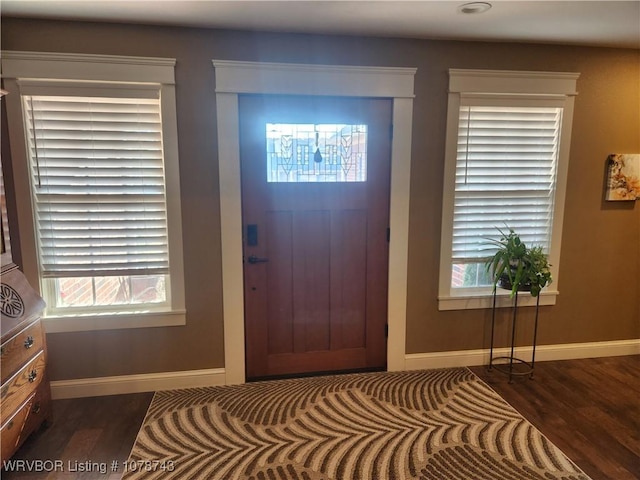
[{"x": 253, "y": 259}]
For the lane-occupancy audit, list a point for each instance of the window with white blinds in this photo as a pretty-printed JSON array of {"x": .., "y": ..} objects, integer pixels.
[
  {"x": 94, "y": 142},
  {"x": 98, "y": 184},
  {"x": 505, "y": 175},
  {"x": 506, "y": 165}
]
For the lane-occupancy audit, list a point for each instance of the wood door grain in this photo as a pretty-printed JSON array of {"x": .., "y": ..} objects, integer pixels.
[{"x": 318, "y": 301}]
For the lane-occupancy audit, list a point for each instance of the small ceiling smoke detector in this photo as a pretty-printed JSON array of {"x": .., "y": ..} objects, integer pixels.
[{"x": 474, "y": 7}]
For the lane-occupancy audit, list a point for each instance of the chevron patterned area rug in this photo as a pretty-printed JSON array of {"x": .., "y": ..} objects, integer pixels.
[{"x": 430, "y": 424}]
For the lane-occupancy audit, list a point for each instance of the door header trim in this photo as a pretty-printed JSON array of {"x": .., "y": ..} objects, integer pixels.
[{"x": 304, "y": 79}]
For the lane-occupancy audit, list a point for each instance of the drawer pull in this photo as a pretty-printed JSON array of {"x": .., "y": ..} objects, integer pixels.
[
  {"x": 28, "y": 343},
  {"x": 32, "y": 376},
  {"x": 36, "y": 408}
]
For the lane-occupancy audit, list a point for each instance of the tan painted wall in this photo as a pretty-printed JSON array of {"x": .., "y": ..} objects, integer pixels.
[{"x": 600, "y": 269}]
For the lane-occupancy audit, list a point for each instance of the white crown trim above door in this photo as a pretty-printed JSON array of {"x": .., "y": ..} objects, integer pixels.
[{"x": 234, "y": 78}]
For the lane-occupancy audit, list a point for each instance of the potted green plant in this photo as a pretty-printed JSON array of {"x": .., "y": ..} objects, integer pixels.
[{"x": 517, "y": 267}]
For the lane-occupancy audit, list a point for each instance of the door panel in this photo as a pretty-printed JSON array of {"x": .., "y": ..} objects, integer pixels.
[
  {"x": 319, "y": 301},
  {"x": 311, "y": 300},
  {"x": 280, "y": 306},
  {"x": 349, "y": 279}
]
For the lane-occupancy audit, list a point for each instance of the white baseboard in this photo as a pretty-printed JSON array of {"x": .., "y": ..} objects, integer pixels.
[
  {"x": 91, "y": 387},
  {"x": 151, "y": 382},
  {"x": 469, "y": 358}
]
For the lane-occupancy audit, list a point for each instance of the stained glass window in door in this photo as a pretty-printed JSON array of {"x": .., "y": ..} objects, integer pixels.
[{"x": 316, "y": 153}]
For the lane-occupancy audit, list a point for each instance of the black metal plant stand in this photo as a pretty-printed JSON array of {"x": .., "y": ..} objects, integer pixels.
[{"x": 507, "y": 368}]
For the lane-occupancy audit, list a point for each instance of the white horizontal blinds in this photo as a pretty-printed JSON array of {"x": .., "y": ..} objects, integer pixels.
[
  {"x": 505, "y": 175},
  {"x": 98, "y": 182}
]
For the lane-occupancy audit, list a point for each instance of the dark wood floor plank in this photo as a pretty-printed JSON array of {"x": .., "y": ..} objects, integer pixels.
[
  {"x": 589, "y": 408},
  {"x": 100, "y": 430}
]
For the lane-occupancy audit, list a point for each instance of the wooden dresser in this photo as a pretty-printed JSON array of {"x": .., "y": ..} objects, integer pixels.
[{"x": 25, "y": 395}]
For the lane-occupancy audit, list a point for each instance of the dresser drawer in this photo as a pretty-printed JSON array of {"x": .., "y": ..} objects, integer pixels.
[
  {"x": 11, "y": 434},
  {"x": 40, "y": 409},
  {"x": 21, "y": 386},
  {"x": 20, "y": 348}
]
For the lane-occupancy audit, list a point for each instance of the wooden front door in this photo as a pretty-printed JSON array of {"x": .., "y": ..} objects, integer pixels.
[{"x": 315, "y": 207}]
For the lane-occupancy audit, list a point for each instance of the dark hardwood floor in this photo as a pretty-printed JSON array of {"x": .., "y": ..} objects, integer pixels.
[
  {"x": 589, "y": 408},
  {"x": 98, "y": 430}
]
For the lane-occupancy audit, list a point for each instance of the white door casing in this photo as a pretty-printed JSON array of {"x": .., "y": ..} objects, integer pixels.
[{"x": 235, "y": 78}]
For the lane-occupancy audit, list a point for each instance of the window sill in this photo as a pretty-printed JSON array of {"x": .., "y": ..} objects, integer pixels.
[
  {"x": 470, "y": 302},
  {"x": 113, "y": 321}
]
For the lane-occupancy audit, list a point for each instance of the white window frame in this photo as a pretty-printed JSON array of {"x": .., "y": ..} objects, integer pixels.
[
  {"x": 513, "y": 88},
  {"x": 25, "y": 68}
]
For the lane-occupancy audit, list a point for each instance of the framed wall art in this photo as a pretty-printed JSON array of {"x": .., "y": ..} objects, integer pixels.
[{"x": 623, "y": 182}]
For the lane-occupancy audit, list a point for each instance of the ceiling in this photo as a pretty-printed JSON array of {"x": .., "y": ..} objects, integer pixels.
[{"x": 592, "y": 23}]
